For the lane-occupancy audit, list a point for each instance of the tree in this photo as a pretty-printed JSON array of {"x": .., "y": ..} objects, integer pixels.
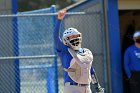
[{"x": 28, "y": 5}]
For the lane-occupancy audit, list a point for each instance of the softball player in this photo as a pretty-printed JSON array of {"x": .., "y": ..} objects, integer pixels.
[{"x": 76, "y": 61}]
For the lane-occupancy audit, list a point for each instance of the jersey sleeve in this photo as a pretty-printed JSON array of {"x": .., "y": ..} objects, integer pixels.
[
  {"x": 92, "y": 71},
  {"x": 126, "y": 64},
  {"x": 57, "y": 40}
]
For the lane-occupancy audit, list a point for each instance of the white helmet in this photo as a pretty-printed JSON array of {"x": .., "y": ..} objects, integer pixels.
[{"x": 72, "y": 38}]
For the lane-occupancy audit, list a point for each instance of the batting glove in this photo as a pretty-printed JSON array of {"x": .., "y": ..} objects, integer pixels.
[{"x": 98, "y": 88}]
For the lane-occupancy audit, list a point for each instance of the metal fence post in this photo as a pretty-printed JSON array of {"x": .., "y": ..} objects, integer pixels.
[
  {"x": 15, "y": 46},
  {"x": 53, "y": 86},
  {"x": 55, "y": 63}
]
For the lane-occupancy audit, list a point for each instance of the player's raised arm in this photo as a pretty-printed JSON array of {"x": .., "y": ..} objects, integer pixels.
[{"x": 57, "y": 41}]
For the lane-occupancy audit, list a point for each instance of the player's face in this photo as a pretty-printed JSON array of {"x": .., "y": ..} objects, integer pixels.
[
  {"x": 137, "y": 39},
  {"x": 75, "y": 39},
  {"x": 75, "y": 42}
]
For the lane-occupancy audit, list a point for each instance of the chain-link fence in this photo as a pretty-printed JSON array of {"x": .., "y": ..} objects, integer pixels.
[
  {"x": 91, "y": 25},
  {"x": 28, "y": 63},
  {"x": 28, "y": 60}
]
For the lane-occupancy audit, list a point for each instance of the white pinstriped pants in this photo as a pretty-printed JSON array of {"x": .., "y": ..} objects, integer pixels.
[{"x": 76, "y": 89}]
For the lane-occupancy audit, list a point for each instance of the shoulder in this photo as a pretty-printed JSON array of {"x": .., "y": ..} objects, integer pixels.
[
  {"x": 87, "y": 50},
  {"x": 131, "y": 47}
]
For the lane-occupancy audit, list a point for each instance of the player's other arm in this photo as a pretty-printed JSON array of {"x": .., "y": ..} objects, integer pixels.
[
  {"x": 95, "y": 81},
  {"x": 57, "y": 40},
  {"x": 93, "y": 75}
]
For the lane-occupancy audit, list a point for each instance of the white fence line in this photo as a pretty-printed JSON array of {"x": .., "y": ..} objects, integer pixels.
[
  {"x": 28, "y": 57},
  {"x": 41, "y": 14}
]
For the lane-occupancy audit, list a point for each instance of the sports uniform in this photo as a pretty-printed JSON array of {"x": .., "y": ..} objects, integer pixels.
[{"x": 76, "y": 61}]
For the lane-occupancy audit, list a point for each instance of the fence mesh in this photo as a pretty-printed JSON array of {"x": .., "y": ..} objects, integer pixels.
[
  {"x": 91, "y": 25},
  {"x": 28, "y": 44},
  {"x": 30, "y": 38}
]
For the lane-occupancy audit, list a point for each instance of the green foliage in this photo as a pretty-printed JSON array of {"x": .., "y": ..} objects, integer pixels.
[{"x": 28, "y": 5}]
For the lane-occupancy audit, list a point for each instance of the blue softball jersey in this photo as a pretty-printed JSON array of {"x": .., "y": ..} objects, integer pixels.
[{"x": 63, "y": 52}]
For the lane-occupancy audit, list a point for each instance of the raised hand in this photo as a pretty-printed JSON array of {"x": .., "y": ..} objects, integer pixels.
[{"x": 61, "y": 14}]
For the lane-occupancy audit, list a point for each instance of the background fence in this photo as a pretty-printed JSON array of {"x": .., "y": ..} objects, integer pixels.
[{"x": 28, "y": 63}]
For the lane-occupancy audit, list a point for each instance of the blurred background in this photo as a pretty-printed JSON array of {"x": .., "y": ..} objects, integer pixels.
[
  {"x": 27, "y": 57},
  {"x": 28, "y": 5}
]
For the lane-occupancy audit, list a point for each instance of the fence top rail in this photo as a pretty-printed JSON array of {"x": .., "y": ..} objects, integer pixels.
[
  {"x": 28, "y": 57},
  {"x": 40, "y": 14}
]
